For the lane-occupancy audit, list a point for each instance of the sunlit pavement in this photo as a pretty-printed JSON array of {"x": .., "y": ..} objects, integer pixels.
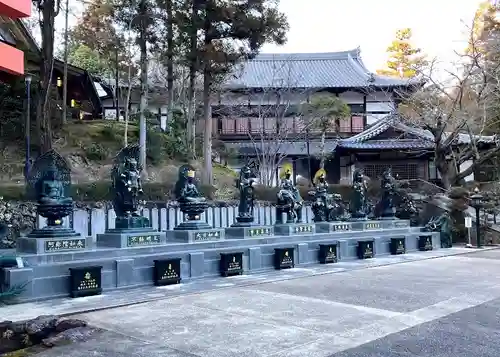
[{"x": 440, "y": 307}]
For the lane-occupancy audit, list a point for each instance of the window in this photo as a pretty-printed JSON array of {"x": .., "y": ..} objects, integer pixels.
[
  {"x": 256, "y": 125},
  {"x": 241, "y": 125},
  {"x": 399, "y": 171},
  {"x": 356, "y": 109},
  {"x": 357, "y": 123},
  {"x": 227, "y": 125},
  {"x": 270, "y": 125},
  {"x": 345, "y": 125}
]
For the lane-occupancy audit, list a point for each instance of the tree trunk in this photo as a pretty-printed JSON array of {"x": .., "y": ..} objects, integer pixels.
[
  {"x": 446, "y": 170},
  {"x": 322, "y": 150},
  {"x": 170, "y": 61},
  {"x": 193, "y": 58},
  {"x": 207, "y": 120},
  {"x": 143, "y": 106},
  {"x": 43, "y": 115}
]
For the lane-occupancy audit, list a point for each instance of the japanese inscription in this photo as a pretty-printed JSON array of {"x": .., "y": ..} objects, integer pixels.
[
  {"x": 64, "y": 244},
  {"x": 88, "y": 282},
  {"x": 341, "y": 227},
  {"x": 135, "y": 241},
  {"x": 306, "y": 228},
  {"x": 207, "y": 235},
  {"x": 255, "y": 232},
  {"x": 372, "y": 225}
]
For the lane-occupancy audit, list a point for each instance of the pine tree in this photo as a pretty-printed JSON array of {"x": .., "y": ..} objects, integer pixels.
[{"x": 405, "y": 60}]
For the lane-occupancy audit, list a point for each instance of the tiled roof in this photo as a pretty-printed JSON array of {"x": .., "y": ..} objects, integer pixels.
[
  {"x": 308, "y": 70},
  {"x": 424, "y": 137},
  {"x": 283, "y": 147},
  {"x": 389, "y": 144}
]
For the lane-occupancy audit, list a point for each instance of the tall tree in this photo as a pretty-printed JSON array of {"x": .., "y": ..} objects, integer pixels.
[
  {"x": 141, "y": 17},
  {"x": 324, "y": 113},
  {"x": 405, "y": 60},
  {"x": 48, "y": 10},
  {"x": 232, "y": 30}
]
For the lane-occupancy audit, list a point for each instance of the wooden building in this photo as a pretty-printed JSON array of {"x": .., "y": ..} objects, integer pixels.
[
  {"x": 83, "y": 98},
  {"x": 267, "y": 92}
]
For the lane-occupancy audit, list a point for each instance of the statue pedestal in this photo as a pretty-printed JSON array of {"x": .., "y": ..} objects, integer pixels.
[
  {"x": 130, "y": 238},
  {"x": 243, "y": 221},
  {"x": 133, "y": 231},
  {"x": 288, "y": 229},
  {"x": 196, "y": 235},
  {"x": 53, "y": 239},
  {"x": 331, "y": 227},
  {"x": 242, "y": 232}
]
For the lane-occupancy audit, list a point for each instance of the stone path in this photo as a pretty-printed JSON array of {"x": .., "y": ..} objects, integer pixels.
[
  {"x": 446, "y": 307},
  {"x": 69, "y": 306}
]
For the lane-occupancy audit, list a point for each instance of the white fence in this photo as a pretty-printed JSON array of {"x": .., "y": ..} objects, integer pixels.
[{"x": 96, "y": 221}]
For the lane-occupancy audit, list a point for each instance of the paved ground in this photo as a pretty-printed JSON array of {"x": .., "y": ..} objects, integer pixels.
[{"x": 446, "y": 307}]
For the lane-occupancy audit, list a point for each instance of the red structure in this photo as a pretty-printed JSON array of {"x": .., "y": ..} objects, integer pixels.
[{"x": 12, "y": 59}]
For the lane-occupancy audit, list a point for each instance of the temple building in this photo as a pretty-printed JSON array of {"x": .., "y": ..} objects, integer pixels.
[
  {"x": 20, "y": 54},
  {"x": 257, "y": 114},
  {"x": 257, "y": 117}
]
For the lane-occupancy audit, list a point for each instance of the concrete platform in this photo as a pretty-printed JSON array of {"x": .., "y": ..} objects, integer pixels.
[{"x": 47, "y": 275}]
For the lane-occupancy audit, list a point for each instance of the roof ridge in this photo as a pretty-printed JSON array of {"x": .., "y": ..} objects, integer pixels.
[{"x": 307, "y": 56}]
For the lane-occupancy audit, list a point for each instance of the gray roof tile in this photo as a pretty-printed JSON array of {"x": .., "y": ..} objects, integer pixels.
[{"x": 308, "y": 70}]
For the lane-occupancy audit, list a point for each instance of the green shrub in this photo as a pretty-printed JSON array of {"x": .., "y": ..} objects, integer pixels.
[
  {"x": 95, "y": 152},
  {"x": 101, "y": 191}
]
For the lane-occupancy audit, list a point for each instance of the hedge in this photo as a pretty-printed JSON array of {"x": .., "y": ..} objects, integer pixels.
[{"x": 101, "y": 191}]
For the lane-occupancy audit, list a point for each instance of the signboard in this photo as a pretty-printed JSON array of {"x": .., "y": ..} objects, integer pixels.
[{"x": 468, "y": 222}]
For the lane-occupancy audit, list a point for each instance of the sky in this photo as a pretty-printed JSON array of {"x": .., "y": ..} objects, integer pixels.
[{"x": 440, "y": 27}]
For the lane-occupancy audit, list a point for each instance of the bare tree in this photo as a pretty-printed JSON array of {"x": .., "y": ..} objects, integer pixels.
[
  {"x": 455, "y": 113},
  {"x": 273, "y": 121}
]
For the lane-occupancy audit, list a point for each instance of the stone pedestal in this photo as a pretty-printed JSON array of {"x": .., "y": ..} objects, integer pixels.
[
  {"x": 243, "y": 221},
  {"x": 236, "y": 232},
  {"x": 288, "y": 229},
  {"x": 52, "y": 239},
  {"x": 130, "y": 238},
  {"x": 43, "y": 245},
  {"x": 330, "y": 227},
  {"x": 196, "y": 235}
]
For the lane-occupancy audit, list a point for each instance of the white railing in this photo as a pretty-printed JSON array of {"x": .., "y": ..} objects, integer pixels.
[{"x": 97, "y": 220}]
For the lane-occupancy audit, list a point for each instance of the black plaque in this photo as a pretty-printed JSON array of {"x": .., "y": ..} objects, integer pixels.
[
  {"x": 365, "y": 249},
  {"x": 167, "y": 271},
  {"x": 231, "y": 263},
  {"x": 424, "y": 243},
  {"x": 85, "y": 281},
  {"x": 398, "y": 246},
  {"x": 283, "y": 258},
  {"x": 328, "y": 253}
]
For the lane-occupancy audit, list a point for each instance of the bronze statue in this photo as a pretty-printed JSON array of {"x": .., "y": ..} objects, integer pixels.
[
  {"x": 191, "y": 202},
  {"x": 49, "y": 183},
  {"x": 127, "y": 189},
  {"x": 288, "y": 198},
  {"x": 186, "y": 189},
  {"x": 126, "y": 182},
  {"x": 245, "y": 184},
  {"x": 326, "y": 207},
  {"x": 388, "y": 188},
  {"x": 441, "y": 224},
  {"x": 359, "y": 204}
]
